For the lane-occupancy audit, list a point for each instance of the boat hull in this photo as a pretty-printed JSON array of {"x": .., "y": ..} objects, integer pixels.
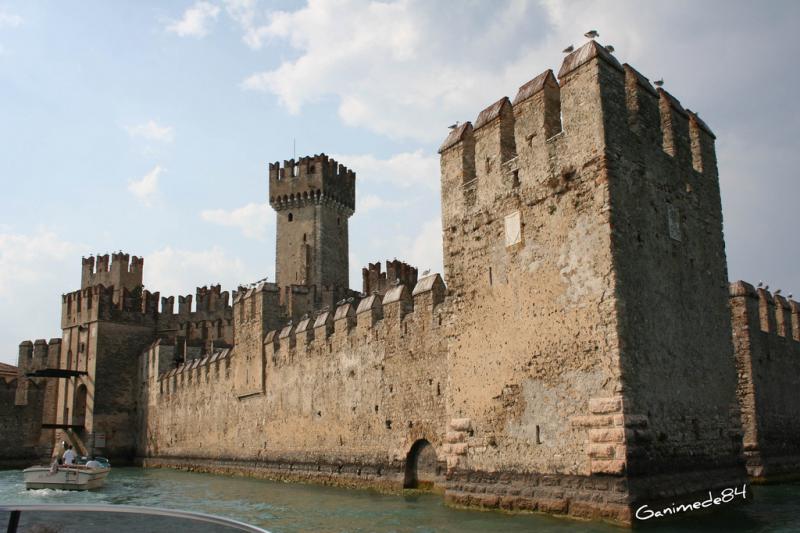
[{"x": 65, "y": 478}]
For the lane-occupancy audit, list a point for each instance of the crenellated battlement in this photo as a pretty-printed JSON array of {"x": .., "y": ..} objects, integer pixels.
[
  {"x": 376, "y": 281},
  {"x": 543, "y": 134},
  {"x": 122, "y": 271},
  {"x": 312, "y": 180},
  {"x": 766, "y": 312},
  {"x": 400, "y": 313},
  {"x": 196, "y": 372}
]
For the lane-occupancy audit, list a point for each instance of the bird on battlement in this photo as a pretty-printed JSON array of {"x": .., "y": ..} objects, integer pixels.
[
  {"x": 790, "y": 296},
  {"x": 425, "y": 273},
  {"x": 350, "y": 300},
  {"x": 397, "y": 281},
  {"x": 591, "y": 34},
  {"x": 610, "y": 49},
  {"x": 304, "y": 317},
  {"x": 777, "y": 292},
  {"x": 341, "y": 302},
  {"x": 453, "y": 126},
  {"x": 760, "y": 284},
  {"x": 568, "y": 50},
  {"x": 659, "y": 83},
  {"x": 766, "y": 287}
]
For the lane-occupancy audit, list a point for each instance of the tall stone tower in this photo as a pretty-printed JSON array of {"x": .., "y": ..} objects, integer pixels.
[
  {"x": 584, "y": 252},
  {"x": 314, "y": 197}
]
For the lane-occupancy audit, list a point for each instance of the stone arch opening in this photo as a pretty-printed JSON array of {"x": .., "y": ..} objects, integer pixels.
[
  {"x": 79, "y": 407},
  {"x": 423, "y": 471}
]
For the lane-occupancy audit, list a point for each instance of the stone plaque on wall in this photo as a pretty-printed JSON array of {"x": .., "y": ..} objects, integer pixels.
[{"x": 513, "y": 229}]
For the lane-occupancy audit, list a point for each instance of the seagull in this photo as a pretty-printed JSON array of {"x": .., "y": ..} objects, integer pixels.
[
  {"x": 766, "y": 287},
  {"x": 397, "y": 281},
  {"x": 760, "y": 284},
  {"x": 777, "y": 292},
  {"x": 426, "y": 272},
  {"x": 568, "y": 49},
  {"x": 591, "y": 34},
  {"x": 610, "y": 49},
  {"x": 341, "y": 302},
  {"x": 350, "y": 300},
  {"x": 790, "y": 296},
  {"x": 453, "y": 126},
  {"x": 659, "y": 83}
]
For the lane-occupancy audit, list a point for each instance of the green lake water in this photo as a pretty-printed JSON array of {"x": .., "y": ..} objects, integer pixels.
[{"x": 285, "y": 507}]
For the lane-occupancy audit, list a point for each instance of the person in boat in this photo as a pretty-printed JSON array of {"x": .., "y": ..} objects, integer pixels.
[{"x": 69, "y": 455}]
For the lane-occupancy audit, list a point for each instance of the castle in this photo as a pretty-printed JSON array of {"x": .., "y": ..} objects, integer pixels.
[{"x": 586, "y": 355}]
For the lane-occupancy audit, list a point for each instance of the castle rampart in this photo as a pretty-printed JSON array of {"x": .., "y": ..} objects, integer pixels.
[
  {"x": 766, "y": 337},
  {"x": 382, "y": 391},
  {"x": 564, "y": 368},
  {"x": 375, "y": 281}
]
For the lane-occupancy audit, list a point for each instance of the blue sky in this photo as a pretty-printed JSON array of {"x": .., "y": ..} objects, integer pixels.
[{"x": 148, "y": 126}]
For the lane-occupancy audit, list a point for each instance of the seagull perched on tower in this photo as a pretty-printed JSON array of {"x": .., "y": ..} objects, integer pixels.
[
  {"x": 568, "y": 50},
  {"x": 591, "y": 34},
  {"x": 659, "y": 83}
]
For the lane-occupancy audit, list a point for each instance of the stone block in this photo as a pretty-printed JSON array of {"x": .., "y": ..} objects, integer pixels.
[
  {"x": 614, "y": 467},
  {"x": 601, "y": 451},
  {"x": 600, "y": 406},
  {"x": 459, "y": 448},
  {"x": 454, "y": 436},
  {"x": 461, "y": 424},
  {"x": 607, "y": 435}
]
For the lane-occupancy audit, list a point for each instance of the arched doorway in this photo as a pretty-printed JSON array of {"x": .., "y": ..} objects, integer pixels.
[
  {"x": 79, "y": 409},
  {"x": 423, "y": 470}
]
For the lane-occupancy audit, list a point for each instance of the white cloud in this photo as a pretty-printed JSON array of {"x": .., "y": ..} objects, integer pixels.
[
  {"x": 27, "y": 259},
  {"x": 395, "y": 68},
  {"x": 195, "y": 20},
  {"x": 370, "y": 202},
  {"x": 35, "y": 269},
  {"x": 146, "y": 188},
  {"x": 252, "y": 219},
  {"x": 9, "y": 20},
  {"x": 173, "y": 271},
  {"x": 254, "y": 23},
  {"x": 408, "y": 169},
  {"x": 152, "y": 131},
  {"x": 426, "y": 250}
]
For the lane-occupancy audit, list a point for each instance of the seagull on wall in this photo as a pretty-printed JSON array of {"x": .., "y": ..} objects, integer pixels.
[
  {"x": 453, "y": 126},
  {"x": 760, "y": 284},
  {"x": 659, "y": 83},
  {"x": 591, "y": 34},
  {"x": 777, "y": 292},
  {"x": 610, "y": 49},
  {"x": 425, "y": 272},
  {"x": 568, "y": 50}
]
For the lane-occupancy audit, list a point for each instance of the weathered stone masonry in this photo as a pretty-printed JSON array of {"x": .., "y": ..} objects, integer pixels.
[{"x": 586, "y": 356}]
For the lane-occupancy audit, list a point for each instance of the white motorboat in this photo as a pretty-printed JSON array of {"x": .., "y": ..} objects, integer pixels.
[{"x": 65, "y": 477}]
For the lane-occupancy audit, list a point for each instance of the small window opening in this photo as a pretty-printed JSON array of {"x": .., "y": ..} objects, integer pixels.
[
  {"x": 515, "y": 179},
  {"x": 304, "y": 237},
  {"x": 338, "y": 221},
  {"x": 490, "y": 275},
  {"x": 538, "y": 436},
  {"x": 290, "y": 217}
]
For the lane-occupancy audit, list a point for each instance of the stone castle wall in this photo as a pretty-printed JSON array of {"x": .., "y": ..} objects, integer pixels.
[
  {"x": 766, "y": 333},
  {"x": 342, "y": 402}
]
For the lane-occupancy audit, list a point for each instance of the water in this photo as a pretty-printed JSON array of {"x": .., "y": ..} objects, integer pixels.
[{"x": 285, "y": 507}]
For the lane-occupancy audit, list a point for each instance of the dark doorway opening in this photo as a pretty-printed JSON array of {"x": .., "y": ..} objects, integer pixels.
[{"x": 423, "y": 470}]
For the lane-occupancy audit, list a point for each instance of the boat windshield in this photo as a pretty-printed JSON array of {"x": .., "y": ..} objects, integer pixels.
[{"x": 120, "y": 518}]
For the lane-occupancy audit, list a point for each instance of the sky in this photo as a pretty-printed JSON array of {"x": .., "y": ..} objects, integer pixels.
[{"x": 147, "y": 126}]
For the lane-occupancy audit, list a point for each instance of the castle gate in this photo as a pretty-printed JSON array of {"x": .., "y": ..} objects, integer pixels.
[{"x": 423, "y": 470}]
